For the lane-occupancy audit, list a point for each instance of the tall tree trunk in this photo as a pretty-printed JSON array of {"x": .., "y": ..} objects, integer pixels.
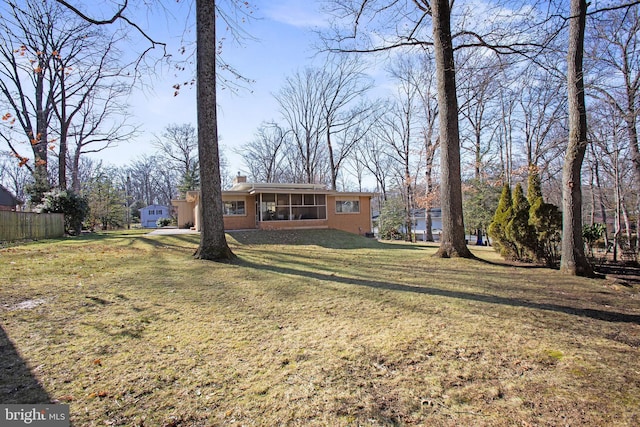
[
  {"x": 409, "y": 205},
  {"x": 601, "y": 205},
  {"x": 573, "y": 260},
  {"x": 64, "y": 131},
  {"x": 75, "y": 172},
  {"x": 625, "y": 218},
  {"x": 62, "y": 157},
  {"x": 332, "y": 162},
  {"x": 631, "y": 119},
  {"x": 635, "y": 158},
  {"x": 427, "y": 208},
  {"x": 453, "y": 240},
  {"x": 39, "y": 140},
  {"x": 213, "y": 243}
]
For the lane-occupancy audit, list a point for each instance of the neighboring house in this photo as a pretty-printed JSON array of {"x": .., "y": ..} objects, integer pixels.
[
  {"x": 419, "y": 221},
  {"x": 150, "y": 214},
  {"x": 8, "y": 202},
  {"x": 283, "y": 206}
]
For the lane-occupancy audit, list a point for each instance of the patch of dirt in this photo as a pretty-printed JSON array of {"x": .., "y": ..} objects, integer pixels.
[{"x": 27, "y": 305}]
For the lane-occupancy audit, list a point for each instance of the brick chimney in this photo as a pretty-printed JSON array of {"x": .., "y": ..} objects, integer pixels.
[{"x": 239, "y": 179}]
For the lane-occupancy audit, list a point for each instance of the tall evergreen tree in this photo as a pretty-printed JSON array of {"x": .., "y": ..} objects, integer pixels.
[
  {"x": 480, "y": 202},
  {"x": 546, "y": 220},
  {"x": 518, "y": 230},
  {"x": 497, "y": 228}
]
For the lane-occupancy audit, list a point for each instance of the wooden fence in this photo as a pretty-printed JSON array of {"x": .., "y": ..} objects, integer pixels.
[{"x": 30, "y": 225}]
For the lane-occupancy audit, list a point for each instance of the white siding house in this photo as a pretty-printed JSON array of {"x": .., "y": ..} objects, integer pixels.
[{"x": 150, "y": 214}]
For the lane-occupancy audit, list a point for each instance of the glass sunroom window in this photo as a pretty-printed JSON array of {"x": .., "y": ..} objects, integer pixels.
[{"x": 292, "y": 207}]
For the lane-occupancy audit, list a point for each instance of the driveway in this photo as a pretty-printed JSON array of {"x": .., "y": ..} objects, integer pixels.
[{"x": 169, "y": 230}]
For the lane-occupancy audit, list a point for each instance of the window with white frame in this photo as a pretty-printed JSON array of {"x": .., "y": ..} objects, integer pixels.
[
  {"x": 348, "y": 206},
  {"x": 234, "y": 207}
]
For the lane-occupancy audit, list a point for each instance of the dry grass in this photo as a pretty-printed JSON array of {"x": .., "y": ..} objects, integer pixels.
[{"x": 311, "y": 328}]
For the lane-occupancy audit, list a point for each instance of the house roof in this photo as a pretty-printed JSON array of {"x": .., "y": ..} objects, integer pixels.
[
  {"x": 271, "y": 187},
  {"x": 154, "y": 207},
  {"x": 250, "y": 188},
  {"x": 259, "y": 188},
  {"x": 8, "y": 199}
]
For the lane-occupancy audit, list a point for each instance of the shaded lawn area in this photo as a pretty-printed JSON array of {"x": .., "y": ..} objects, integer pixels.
[{"x": 311, "y": 328}]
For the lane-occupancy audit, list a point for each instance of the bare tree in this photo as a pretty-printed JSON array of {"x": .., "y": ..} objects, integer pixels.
[
  {"x": 508, "y": 101},
  {"x": 427, "y": 122},
  {"x": 213, "y": 243},
  {"x": 453, "y": 242},
  {"x": 63, "y": 82},
  {"x": 613, "y": 168},
  {"x": 573, "y": 259},
  {"x": 265, "y": 155},
  {"x": 301, "y": 104},
  {"x": 395, "y": 130},
  {"x": 143, "y": 174},
  {"x": 12, "y": 176},
  {"x": 541, "y": 111},
  {"x": 29, "y": 83},
  {"x": 178, "y": 144},
  {"x": 90, "y": 109},
  {"x": 405, "y": 129},
  {"x": 406, "y": 24},
  {"x": 617, "y": 58},
  {"x": 345, "y": 113},
  {"x": 355, "y": 167},
  {"x": 98, "y": 124}
]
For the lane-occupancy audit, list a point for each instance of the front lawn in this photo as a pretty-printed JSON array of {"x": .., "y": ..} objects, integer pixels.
[{"x": 311, "y": 327}]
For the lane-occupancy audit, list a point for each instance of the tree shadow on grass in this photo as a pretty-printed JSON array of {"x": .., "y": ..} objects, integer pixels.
[
  {"x": 18, "y": 385},
  {"x": 514, "y": 264},
  {"x": 598, "y": 314},
  {"x": 326, "y": 238}
]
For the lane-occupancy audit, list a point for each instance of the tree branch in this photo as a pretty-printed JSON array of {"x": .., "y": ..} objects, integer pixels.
[
  {"x": 611, "y": 8},
  {"x": 118, "y": 15}
]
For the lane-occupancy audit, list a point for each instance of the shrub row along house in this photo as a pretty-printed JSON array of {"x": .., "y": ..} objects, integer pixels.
[{"x": 283, "y": 206}]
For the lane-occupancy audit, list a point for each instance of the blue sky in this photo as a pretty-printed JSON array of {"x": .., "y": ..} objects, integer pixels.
[{"x": 283, "y": 43}]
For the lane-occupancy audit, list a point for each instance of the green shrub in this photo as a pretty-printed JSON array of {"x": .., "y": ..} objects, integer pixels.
[
  {"x": 519, "y": 232},
  {"x": 498, "y": 226},
  {"x": 527, "y": 229},
  {"x": 163, "y": 222},
  {"x": 391, "y": 220},
  {"x": 591, "y": 234},
  {"x": 74, "y": 207},
  {"x": 546, "y": 220}
]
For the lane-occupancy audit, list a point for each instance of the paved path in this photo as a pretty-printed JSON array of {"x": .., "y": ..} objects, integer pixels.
[{"x": 173, "y": 231}]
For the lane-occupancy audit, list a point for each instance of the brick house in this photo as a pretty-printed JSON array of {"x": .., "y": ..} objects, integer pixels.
[{"x": 270, "y": 206}]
